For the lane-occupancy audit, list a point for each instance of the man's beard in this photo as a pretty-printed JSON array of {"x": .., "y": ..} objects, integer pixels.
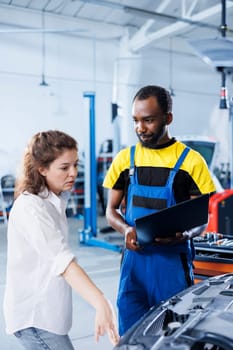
[{"x": 154, "y": 138}]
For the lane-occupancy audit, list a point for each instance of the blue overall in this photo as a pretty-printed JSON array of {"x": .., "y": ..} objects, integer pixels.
[{"x": 155, "y": 273}]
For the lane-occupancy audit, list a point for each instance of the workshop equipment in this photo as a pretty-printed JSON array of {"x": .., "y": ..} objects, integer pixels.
[{"x": 214, "y": 249}]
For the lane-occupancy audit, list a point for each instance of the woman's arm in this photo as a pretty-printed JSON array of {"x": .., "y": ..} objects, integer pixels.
[{"x": 105, "y": 320}]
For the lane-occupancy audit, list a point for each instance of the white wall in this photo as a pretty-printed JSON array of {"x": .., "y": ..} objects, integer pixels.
[
  {"x": 197, "y": 93},
  {"x": 72, "y": 66},
  {"x": 75, "y": 65}
]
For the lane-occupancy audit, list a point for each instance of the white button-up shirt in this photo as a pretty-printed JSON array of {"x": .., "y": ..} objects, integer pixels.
[{"x": 36, "y": 294}]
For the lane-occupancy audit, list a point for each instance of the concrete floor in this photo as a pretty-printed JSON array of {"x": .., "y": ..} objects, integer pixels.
[{"x": 101, "y": 264}]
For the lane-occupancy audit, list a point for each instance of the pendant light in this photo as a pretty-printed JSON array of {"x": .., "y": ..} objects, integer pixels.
[
  {"x": 171, "y": 68},
  {"x": 43, "y": 81}
]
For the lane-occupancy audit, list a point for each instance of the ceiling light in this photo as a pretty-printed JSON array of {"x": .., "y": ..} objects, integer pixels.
[{"x": 216, "y": 52}]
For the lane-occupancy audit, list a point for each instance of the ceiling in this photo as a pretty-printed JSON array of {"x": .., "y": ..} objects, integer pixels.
[{"x": 146, "y": 22}]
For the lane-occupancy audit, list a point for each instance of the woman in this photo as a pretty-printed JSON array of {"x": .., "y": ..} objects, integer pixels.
[{"x": 41, "y": 269}]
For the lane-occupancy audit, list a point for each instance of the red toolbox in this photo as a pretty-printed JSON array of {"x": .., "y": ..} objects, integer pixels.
[
  {"x": 221, "y": 213},
  {"x": 214, "y": 250}
]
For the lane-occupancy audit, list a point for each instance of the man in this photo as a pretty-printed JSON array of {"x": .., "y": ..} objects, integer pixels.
[{"x": 158, "y": 163}]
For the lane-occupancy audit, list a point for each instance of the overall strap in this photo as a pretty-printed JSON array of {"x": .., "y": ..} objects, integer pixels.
[
  {"x": 181, "y": 159},
  {"x": 177, "y": 166},
  {"x": 132, "y": 174}
]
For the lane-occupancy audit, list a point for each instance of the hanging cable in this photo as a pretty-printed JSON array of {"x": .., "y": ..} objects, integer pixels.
[
  {"x": 171, "y": 67},
  {"x": 223, "y": 92},
  {"x": 43, "y": 81}
]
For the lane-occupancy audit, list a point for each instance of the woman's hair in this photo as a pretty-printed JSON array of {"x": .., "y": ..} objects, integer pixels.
[
  {"x": 163, "y": 96},
  {"x": 41, "y": 151}
]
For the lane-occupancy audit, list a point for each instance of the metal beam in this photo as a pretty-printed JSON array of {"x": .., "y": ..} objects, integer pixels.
[
  {"x": 14, "y": 19},
  {"x": 142, "y": 38}
]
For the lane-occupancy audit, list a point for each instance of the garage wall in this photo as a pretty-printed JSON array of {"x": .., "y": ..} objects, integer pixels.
[
  {"x": 196, "y": 87},
  {"x": 74, "y": 65}
]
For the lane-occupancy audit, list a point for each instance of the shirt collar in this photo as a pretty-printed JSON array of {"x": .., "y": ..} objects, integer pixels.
[
  {"x": 164, "y": 145},
  {"x": 60, "y": 202}
]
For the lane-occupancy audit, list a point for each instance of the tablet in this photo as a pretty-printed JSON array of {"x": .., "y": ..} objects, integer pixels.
[{"x": 177, "y": 218}]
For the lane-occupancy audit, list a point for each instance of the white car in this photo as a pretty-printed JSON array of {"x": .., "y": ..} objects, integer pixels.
[{"x": 208, "y": 148}]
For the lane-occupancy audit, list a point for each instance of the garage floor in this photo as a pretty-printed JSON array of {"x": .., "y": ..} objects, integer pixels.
[{"x": 101, "y": 264}]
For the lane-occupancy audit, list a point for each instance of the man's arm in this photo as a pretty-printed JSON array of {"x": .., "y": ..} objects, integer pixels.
[
  {"x": 116, "y": 220},
  {"x": 196, "y": 231}
]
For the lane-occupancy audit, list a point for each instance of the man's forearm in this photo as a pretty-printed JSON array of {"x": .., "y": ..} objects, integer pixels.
[
  {"x": 196, "y": 231},
  {"x": 116, "y": 220}
]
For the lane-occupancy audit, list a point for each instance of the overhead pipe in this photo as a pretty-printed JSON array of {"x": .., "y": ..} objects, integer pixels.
[{"x": 152, "y": 14}]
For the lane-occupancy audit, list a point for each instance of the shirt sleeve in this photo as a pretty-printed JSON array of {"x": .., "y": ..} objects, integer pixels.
[
  {"x": 115, "y": 175},
  {"x": 43, "y": 230},
  {"x": 201, "y": 174}
]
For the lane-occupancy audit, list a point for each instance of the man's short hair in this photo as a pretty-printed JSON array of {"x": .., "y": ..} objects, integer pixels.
[{"x": 161, "y": 94}]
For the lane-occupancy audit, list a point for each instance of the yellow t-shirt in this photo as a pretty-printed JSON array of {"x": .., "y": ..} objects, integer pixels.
[{"x": 153, "y": 167}]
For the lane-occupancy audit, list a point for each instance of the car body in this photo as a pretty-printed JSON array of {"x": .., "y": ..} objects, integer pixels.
[
  {"x": 199, "y": 318},
  {"x": 208, "y": 148}
]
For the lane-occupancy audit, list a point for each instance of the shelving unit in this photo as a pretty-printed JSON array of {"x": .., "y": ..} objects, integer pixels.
[{"x": 7, "y": 183}]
